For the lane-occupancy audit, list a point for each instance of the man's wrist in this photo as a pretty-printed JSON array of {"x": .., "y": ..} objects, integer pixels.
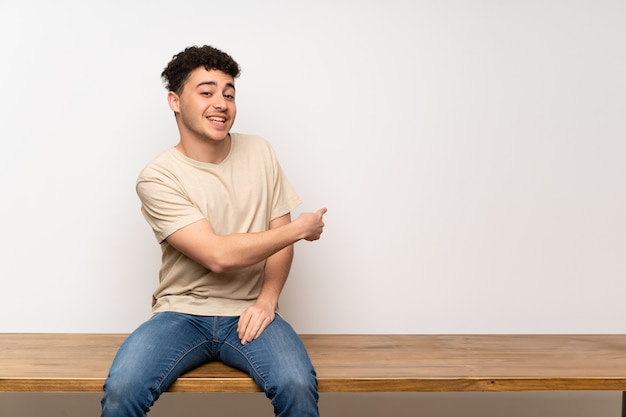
[{"x": 267, "y": 303}]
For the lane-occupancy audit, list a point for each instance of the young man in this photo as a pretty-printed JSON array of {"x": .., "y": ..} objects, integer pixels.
[{"x": 219, "y": 206}]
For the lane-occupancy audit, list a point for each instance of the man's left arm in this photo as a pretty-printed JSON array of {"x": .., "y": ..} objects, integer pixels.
[{"x": 258, "y": 316}]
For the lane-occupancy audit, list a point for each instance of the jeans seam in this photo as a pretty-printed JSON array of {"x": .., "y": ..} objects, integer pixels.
[
  {"x": 251, "y": 364},
  {"x": 173, "y": 364}
]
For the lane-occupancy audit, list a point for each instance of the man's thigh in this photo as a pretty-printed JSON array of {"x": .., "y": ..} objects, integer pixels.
[
  {"x": 276, "y": 357},
  {"x": 160, "y": 350}
]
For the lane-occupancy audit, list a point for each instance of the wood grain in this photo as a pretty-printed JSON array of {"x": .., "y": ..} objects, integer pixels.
[{"x": 347, "y": 363}]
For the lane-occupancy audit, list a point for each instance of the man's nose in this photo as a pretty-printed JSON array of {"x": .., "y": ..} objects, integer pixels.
[{"x": 220, "y": 102}]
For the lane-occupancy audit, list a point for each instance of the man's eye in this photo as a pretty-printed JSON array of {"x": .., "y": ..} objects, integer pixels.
[
  {"x": 206, "y": 93},
  {"x": 229, "y": 96}
]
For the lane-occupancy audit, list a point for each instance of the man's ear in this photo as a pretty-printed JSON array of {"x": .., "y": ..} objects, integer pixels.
[{"x": 174, "y": 101}]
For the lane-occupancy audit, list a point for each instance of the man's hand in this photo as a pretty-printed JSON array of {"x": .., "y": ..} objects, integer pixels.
[
  {"x": 312, "y": 224},
  {"x": 257, "y": 317},
  {"x": 253, "y": 321}
]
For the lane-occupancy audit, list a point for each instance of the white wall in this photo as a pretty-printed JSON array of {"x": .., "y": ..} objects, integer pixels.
[{"x": 471, "y": 154}]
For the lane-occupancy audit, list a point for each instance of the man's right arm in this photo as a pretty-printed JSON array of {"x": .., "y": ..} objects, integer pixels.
[{"x": 224, "y": 253}]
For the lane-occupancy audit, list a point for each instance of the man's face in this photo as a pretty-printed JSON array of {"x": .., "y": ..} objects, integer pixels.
[{"x": 206, "y": 108}]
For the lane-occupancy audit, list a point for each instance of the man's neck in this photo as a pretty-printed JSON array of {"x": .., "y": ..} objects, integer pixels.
[{"x": 213, "y": 152}]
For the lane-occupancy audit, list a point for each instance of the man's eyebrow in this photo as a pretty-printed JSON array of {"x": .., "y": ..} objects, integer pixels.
[{"x": 214, "y": 84}]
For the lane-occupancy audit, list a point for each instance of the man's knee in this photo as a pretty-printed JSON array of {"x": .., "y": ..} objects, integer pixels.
[
  {"x": 296, "y": 395},
  {"x": 126, "y": 396},
  {"x": 296, "y": 381}
]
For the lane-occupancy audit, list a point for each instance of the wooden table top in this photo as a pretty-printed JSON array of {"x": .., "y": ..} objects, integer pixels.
[{"x": 347, "y": 363}]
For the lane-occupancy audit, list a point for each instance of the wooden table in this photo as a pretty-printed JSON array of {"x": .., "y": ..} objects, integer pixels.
[{"x": 348, "y": 363}]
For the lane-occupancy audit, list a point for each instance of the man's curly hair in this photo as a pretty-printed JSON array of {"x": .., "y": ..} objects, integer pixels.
[{"x": 184, "y": 63}]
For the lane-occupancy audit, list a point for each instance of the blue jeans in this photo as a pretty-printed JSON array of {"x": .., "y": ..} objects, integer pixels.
[{"x": 170, "y": 344}]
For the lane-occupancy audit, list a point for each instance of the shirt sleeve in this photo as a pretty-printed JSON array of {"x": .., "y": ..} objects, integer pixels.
[
  {"x": 164, "y": 205},
  {"x": 285, "y": 197}
]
